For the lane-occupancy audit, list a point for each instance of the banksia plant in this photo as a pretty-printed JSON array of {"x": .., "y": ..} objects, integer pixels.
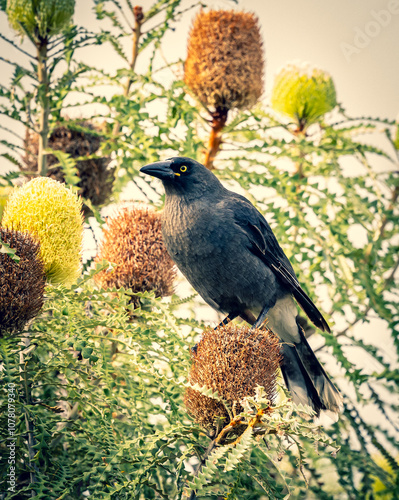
[
  {"x": 133, "y": 242},
  {"x": 304, "y": 93},
  {"x": 224, "y": 66},
  {"x": 51, "y": 214},
  {"x": 41, "y": 21},
  {"x": 79, "y": 140},
  {"x": 231, "y": 361},
  {"x": 22, "y": 281},
  {"x": 40, "y": 18}
]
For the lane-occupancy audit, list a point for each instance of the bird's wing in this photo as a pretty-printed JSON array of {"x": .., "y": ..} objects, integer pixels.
[{"x": 264, "y": 245}]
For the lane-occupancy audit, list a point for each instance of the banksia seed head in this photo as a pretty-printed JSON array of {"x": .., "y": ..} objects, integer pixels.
[
  {"x": 21, "y": 283},
  {"x": 51, "y": 213},
  {"x": 231, "y": 360},
  {"x": 133, "y": 241},
  {"x": 303, "y": 93},
  {"x": 76, "y": 139},
  {"x": 40, "y": 18},
  {"x": 224, "y": 65}
]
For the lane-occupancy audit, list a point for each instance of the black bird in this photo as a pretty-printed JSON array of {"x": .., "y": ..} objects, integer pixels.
[{"x": 228, "y": 252}]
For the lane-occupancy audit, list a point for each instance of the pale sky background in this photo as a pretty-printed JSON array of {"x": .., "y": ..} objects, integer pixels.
[{"x": 365, "y": 70}]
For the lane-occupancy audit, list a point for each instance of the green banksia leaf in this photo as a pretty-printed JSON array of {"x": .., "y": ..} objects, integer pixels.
[
  {"x": 303, "y": 93},
  {"x": 133, "y": 242},
  {"x": 51, "y": 213},
  {"x": 21, "y": 282},
  {"x": 231, "y": 361},
  {"x": 40, "y": 18},
  {"x": 224, "y": 65}
]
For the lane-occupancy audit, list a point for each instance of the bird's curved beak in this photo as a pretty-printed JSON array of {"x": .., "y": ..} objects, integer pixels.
[{"x": 160, "y": 169}]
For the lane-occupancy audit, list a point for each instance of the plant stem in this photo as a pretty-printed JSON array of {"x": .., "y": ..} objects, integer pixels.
[
  {"x": 138, "y": 21},
  {"x": 219, "y": 118},
  {"x": 43, "y": 99}
]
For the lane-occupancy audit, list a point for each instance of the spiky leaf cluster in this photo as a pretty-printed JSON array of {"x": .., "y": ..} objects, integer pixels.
[
  {"x": 40, "y": 18},
  {"x": 51, "y": 213},
  {"x": 224, "y": 65},
  {"x": 304, "y": 93},
  {"x": 231, "y": 361},
  {"x": 21, "y": 281},
  {"x": 77, "y": 140},
  {"x": 133, "y": 242}
]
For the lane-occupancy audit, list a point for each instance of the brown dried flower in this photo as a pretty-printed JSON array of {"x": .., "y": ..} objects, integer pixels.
[
  {"x": 96, "y": 179},
  {"x": 133, "y": 241},
  {"x": 21, "y": 283},
  {"x": 224, "y": 65},
  {"x": 231, "y": 360}
]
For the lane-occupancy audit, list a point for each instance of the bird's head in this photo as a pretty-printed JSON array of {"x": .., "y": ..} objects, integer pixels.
[{"x": 182, "y": 175}]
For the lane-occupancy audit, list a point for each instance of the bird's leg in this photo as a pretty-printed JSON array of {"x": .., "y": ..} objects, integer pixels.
[
  {"x": 226, "y": 320},
  {"x": 261, "y": 318}
]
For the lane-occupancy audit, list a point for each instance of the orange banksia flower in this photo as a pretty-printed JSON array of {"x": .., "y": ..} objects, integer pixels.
[
  {"x": 133, "y": 242},
  {"x": 224, "y": 65},
  {"x": 21, "y": 282},
  {"x": 231, "y": 361}
]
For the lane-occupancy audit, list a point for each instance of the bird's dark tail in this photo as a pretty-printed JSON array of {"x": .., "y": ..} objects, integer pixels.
[
  {"x": 328, "y": 393},
  {"x": 297, "y": 379},
  {"x": 306, "y": 379}
]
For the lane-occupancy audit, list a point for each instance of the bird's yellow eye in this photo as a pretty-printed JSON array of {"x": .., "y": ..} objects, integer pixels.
[{"x": 183, "y": 168}]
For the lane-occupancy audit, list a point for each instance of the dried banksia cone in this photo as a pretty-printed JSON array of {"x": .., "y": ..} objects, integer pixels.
[
  {"x": 133, "y": 242},
  {"x": 40, "y": 18},
  {"x": 78, "y": 140},
  {"x": 231, "y": 361},
  {"x": 21, "y": 283},
  {"x": 51, "y": 213},
  {"x": 303, "y": 93},
  {"x": 224, "y": 66}
]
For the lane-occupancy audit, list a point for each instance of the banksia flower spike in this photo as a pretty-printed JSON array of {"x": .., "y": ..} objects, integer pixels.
[
  {"x": 224, "y": 66},
  {"x": 5, "y": 192},
  {"x": 304, "y": 93},
  {"x": 133, "y": 242},
  {"x": 21, "y": 282},
  {"x": 231, "y": 361},
  {"x": 40, "y": 18},
  {"x": 51, "y": 213},
  {"x": 78, "y": 140}
]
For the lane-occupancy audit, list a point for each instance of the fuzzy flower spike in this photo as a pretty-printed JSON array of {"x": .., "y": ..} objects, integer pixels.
[
  {"x": 50, "y": 213},
  {"x": 304, "y": 93}
]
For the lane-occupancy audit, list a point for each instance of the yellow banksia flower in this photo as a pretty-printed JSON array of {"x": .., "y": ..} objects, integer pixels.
[
  {"x": 21, "y": 282},
  {"x": 40, "y": 18},
  {"x": 5, "y": 192},
  {"x": 51, "y": 213},
  {"x": 396, "y": 139},
  {"x": 224, "y": 65},
  {"x": 304, "y": 93},
  {"x": 231, "y": 361},
  {"x": 133, "y": 242}
]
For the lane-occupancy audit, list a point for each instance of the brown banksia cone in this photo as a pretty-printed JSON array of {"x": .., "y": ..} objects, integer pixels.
[
  {"x": 21, "y": 283},
  {"x": 133, "y": 242},
  {"x": 78, "y": 140},
  {"x": 224, "y": 66},
  {"x": 231, "y": 361}
]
